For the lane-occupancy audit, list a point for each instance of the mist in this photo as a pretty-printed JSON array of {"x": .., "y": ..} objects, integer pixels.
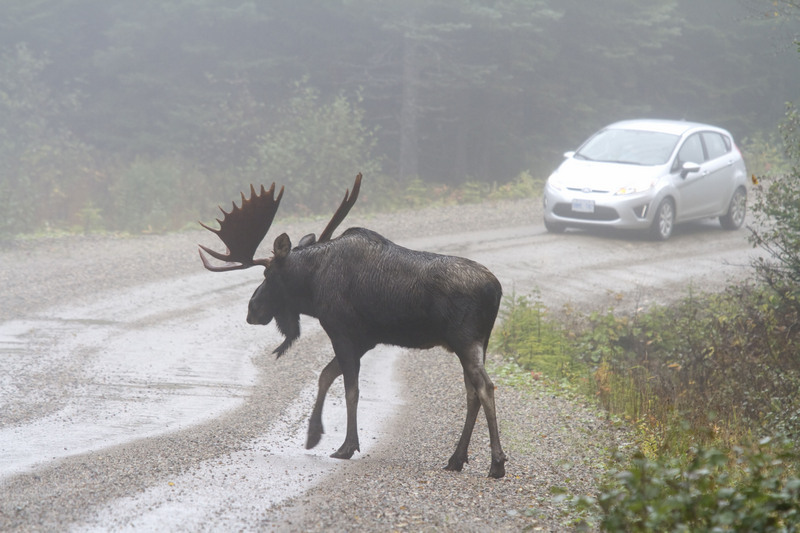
[{"x": 138, "y": 115}]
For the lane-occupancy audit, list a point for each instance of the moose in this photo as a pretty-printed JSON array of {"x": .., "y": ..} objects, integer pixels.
[{"x": 365, "y": 290}]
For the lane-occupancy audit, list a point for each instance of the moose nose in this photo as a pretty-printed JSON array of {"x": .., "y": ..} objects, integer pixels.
[
  {"x": 257, "y": 318},
  {"x": 253, "y": 318}
]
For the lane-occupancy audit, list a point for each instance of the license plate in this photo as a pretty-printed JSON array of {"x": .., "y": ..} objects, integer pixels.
[{"x": 583, "y": 206}]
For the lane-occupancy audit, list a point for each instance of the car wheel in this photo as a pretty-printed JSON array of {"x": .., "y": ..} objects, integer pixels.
[
  {"x": 737, "y": 210},
  {"x": 664, "y": 220},
  {"x": 554, "y": 227}
]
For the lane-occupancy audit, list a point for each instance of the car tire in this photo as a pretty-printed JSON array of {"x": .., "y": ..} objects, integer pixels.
[
  {"x": 664, "y": 221},
  {"x": 734, "y": 218},
  {"x": 554, "y": 227}
]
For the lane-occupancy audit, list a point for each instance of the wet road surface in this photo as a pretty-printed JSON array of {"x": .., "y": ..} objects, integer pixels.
[{"x": 167, "y": 376}]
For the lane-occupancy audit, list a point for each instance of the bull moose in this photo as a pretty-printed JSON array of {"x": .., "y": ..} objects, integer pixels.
[{"x": 365, "y": 290}]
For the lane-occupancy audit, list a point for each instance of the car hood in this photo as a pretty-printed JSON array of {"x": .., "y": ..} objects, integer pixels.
[{"x": 597, "y": 176}]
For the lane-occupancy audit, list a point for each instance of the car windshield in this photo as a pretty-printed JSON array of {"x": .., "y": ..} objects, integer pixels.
[{"x": 633, "y": 147}]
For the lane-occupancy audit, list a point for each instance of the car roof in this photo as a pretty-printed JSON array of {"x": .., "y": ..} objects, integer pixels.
[{"x": 675, "y": 127}]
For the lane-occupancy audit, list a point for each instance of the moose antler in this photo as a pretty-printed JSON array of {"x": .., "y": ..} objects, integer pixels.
[
  {"x": 243, "y": 229},
  {"x": 344, "y": 208}
]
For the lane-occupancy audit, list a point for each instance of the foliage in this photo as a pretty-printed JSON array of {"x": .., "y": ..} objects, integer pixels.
[
  {"x": 313, "y": 148},
  {"x": 47, "y": 173},
  {"x": 534, "y": 340},
  {"x": 525, "y": 185},
  {"x": 764, "y": 155},
  {"x": 756, "y": 489},
  {"x": 704, "y": 374},
  {"x": 154, "y": 195},
  {"x": 462, "y": 95},
  {"x": 725, "y": 364},
  {"x": 417, "y": 194},
  {"x": 777, "y": 220}
]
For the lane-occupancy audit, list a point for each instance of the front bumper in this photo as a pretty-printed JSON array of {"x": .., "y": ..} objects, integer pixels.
[{"x": 632, "y": 211}]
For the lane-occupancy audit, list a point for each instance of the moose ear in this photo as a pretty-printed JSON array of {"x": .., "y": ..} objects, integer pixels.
[
  {"x": 308, "y": 240},
  {"x": 282, "y": 246}
]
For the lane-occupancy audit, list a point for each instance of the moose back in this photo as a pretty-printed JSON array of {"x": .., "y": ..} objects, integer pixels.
[{"x": 365, "y": 290}]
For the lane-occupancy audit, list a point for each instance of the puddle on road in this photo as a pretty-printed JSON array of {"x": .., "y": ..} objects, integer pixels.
[
  {"x": 223, "y": 493},
  {"x": 161, "y": 358},
  {"x": 106, "y": 373}
]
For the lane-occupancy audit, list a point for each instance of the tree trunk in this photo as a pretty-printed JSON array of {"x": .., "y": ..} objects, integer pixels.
[{"x": 409, "y": 149}]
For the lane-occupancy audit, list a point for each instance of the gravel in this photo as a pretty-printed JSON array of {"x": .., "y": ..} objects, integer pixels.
[
  {"x": 39, "y": 273},
  {"x": 552, "y": 442}
]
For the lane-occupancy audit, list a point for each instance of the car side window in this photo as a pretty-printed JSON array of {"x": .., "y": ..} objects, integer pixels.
[
  {"x": 690, "y": 152},
  {"x": 715, "y": 144}
]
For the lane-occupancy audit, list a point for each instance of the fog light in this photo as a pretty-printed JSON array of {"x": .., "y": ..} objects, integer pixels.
[{"x": 641, "y": 211}]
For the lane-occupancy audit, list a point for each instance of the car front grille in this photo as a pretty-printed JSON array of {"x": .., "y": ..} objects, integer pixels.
[
  {"x": 600, "y": 213},
  {"x": 593, "y": 191}
]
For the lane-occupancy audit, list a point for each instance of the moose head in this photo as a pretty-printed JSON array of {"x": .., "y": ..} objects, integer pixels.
[{"x": 242, "y": 230}]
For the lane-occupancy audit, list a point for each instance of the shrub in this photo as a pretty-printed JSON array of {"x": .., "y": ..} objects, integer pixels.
[
  {"x": 755, "y": 489},
  {"x": 777, "y": 220},
  {"x": 46, "y": 174},
  {"x": 522, "y": 186},
  {"x": 765, "y": 155},
  {"x": 156, "y": 195},
  {"x": 315, "y": 150},
  {"x": 534, "y": 340},
  {"x": 723, "y": 363}
]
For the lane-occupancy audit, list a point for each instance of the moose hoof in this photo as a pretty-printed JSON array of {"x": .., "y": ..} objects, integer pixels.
[
  {"x": 345, "y": 452},
  {"x": 313, "y": 437},
  {"x": 455, "y": 464},
  {"x": 498, "y": 468}
]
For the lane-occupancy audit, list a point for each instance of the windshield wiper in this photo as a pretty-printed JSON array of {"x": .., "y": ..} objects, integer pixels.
[{"x": 620, "y": 162}]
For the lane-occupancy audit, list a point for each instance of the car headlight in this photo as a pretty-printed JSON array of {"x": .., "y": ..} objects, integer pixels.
[
  {"x": 554, "y": 182},
  {"x": 635, "y": 187}
]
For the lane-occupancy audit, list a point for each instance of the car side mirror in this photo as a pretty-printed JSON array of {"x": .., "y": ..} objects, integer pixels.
[
  {"x": 567, "y": 155},
  {"x": 689, "y": 168}
]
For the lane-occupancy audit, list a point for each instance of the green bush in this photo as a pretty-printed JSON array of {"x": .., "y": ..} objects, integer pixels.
[
  {"x": 724, "y": 363},
  {"x": 156, "y": 195},
  {"x": 754, "y": 490},
  {"x": 764, "y": 155},
  {"x": 46, "y": 174},
  {"x": 525, "y": 185},
  {"x": 711, "y": 369},
  {"x": 316, "y": 150},
  {"x": 534, "y": 340},
  {"x": 777, "y": 220}
]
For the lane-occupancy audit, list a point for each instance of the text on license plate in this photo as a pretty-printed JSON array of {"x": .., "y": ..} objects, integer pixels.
[{"x": 583, "y": 206}]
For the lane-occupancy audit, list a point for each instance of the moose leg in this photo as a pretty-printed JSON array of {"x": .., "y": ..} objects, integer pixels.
[
  {"x": 326, "y": 378},
  {"x": 349, "y": 365},
  {"x": 472, "y": 361},
  {"x": 459, "y": 457}
]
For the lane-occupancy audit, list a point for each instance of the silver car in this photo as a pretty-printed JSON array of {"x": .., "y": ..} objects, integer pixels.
[{"x": 649, "y": 174}]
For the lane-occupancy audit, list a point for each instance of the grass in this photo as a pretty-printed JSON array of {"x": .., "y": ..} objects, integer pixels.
[{"x": 711, "y": 388}]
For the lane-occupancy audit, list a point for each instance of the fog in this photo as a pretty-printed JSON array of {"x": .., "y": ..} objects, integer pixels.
[{"x": 138, "y": 115}]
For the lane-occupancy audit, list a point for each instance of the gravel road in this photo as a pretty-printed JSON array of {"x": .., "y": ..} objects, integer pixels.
[{"x": 398, "y": 484}]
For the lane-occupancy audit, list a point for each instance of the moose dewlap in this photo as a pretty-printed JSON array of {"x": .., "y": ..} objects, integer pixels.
[{"x": 365, "y": 290}]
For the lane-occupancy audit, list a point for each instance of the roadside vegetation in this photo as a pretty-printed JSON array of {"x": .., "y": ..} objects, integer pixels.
[
  {"x": 709, "y": 385},
  {"x": 141, "y": 116}
]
